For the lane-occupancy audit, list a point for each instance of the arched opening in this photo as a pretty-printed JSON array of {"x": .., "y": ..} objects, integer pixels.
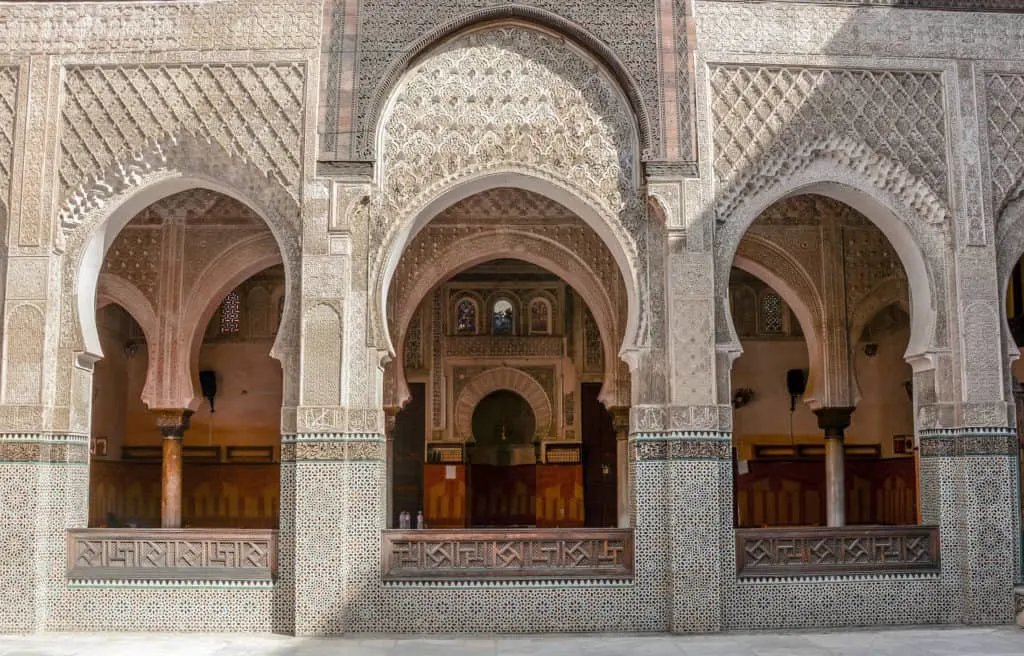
[
  {"x": 202, "y": 274},
  {"x": 1015, "y": 320},
  {"x": 501, "y": 479},
  {"x": 823, "y": 411},
  {"x": 484, "y": 305}
]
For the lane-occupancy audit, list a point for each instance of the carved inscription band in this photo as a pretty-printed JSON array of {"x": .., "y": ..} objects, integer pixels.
[
  {"x": 821, "y": 551},
  {"x": 428, "y": 555},
  {"x": 969, "y": 442},
  {"x": 171, "y": 555},
  {"x": 43, "y": 449},
  {"x": 681, "y": 447},
  {"x": 333, "y": 448}
]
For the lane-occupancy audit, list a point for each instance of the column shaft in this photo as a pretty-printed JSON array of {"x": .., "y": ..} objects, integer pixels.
[
  {"x": 172, "y": 425},
  {"x": 835, "y": 481}
]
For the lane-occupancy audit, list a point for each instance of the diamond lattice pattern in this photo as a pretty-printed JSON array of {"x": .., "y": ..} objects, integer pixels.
[
  {"x": 253, "y": 111},
  {"x": 8, "y": 101},
  {"x": 1005, "y": 97},
  {"x": 759, "y": 111}
]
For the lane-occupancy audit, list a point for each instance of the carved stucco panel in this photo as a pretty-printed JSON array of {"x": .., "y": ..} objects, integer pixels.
[
  {"x": 158, "y": 26},
  {"x": 321, "y": 356},
  {"x": 1004, "y": 94},
  {"x": 113, "y": 114},
  {"x": 23, "y": 375},
  {"x": 503, "y": 96},
  {"x": 768, "y": 120},
  {"x": 8, "y": 111}
]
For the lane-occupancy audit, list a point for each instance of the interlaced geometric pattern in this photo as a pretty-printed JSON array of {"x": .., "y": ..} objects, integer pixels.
[
  {"x": 1005, "y": 98},
  {"x": 101, "y": 554},
  {"x": 8, "y": 102},
  {"x": 810, "y": 552},
  {"x": 761, "y": 110},
  {"x": 254, "y": 111},
  {"x": 574, "y": 553}
]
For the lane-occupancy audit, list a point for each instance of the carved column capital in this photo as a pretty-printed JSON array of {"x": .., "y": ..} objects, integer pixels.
[
  {"x": 834, "y": 420},
  {"x": 620, "y": 421},
  {"x": 173, "y": 422},
  {"x": 390, "y": 415}
]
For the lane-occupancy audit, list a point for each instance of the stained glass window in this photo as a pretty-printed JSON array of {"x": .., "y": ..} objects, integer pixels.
[
  {"x": 503, "y": 318},
  {"x": 465, "y": 317},
  {"x": 540, "y": 316},
  {"x": 230, "y": 314},
  {"x": 771, "y": 314}
]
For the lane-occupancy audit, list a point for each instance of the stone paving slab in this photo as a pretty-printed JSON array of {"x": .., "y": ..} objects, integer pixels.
[{"x": 942, "y": 641}]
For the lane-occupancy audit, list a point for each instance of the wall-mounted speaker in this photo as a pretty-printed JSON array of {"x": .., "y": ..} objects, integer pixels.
[
  {"x": 796, "y": 384},
  {"x": 208, "y": 382}
]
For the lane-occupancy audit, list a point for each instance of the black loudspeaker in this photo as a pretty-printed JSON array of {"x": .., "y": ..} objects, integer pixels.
[
  {"x": 208, "y": 381},
  {"x": 796, "y": 383}
]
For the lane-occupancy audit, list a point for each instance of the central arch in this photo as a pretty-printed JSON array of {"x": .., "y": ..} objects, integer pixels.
[{"x": 517, "y": 106}]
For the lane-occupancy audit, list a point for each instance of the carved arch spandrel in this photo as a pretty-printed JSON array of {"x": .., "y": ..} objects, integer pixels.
[
  {"x": 502, "y": 378},
  {"x": 529, "y": 16},
  {"x": 577, "y": 144}
]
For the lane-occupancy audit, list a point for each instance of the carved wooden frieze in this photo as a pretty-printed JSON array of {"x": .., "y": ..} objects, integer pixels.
[
  {"x": 171, "y": 555},
  {"x": 818, "y": 551},
  {"x": 428, "y": 555}
]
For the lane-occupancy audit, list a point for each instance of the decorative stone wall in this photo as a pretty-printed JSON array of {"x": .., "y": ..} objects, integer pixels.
[{"x": 106, "y": 108}]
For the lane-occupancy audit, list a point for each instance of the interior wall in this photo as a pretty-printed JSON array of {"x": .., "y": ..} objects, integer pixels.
[{"x": 885, "y": 409}]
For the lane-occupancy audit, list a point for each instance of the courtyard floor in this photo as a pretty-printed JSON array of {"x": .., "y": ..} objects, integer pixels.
[{"x": 989, "y": 641}]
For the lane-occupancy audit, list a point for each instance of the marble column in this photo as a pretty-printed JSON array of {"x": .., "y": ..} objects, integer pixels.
[
  {"x": 172, "y": 424},
  {"x": 834, "y": 421},
  {"x": 620, "y": 420}
]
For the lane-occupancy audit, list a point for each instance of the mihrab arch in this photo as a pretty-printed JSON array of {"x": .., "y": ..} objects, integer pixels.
[
  {"x": 519, "y": 107},
  {"x": 502, "y": 378}
]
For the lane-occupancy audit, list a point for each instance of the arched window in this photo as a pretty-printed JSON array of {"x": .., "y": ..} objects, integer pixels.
[
  {"x": 771, "y": 314},
  {"x": 465, "y": 317},
  {"x": 503, "y": 322},
  {"x": 230, "y": 314},
  {"x": 540, "y": 317}
]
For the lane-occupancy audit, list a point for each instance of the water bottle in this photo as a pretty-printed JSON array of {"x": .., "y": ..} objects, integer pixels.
[{"x": 419, "y": 520}]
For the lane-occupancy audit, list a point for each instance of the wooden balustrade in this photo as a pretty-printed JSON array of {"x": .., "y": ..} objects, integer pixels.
[
  {"x": 431, "y": 555},
  {"x": 171, "y": 555},
  {"x": 822, "y": 551}
]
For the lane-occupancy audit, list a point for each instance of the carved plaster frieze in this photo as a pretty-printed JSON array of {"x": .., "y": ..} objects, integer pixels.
[
  {"x": 772, "y": 121},
  {"x": 158, "y": 26},
  {"x": 8, "y": 111},
  {"x": 122, "y": 116}
]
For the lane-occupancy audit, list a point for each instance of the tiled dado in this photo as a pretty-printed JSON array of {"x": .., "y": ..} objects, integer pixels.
[
  {"x": 682, "y": 445},
  {"x": 333, "y": 447},
  {"x": 946, "y": 443},
  {"x": 42, "y": 448}
]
